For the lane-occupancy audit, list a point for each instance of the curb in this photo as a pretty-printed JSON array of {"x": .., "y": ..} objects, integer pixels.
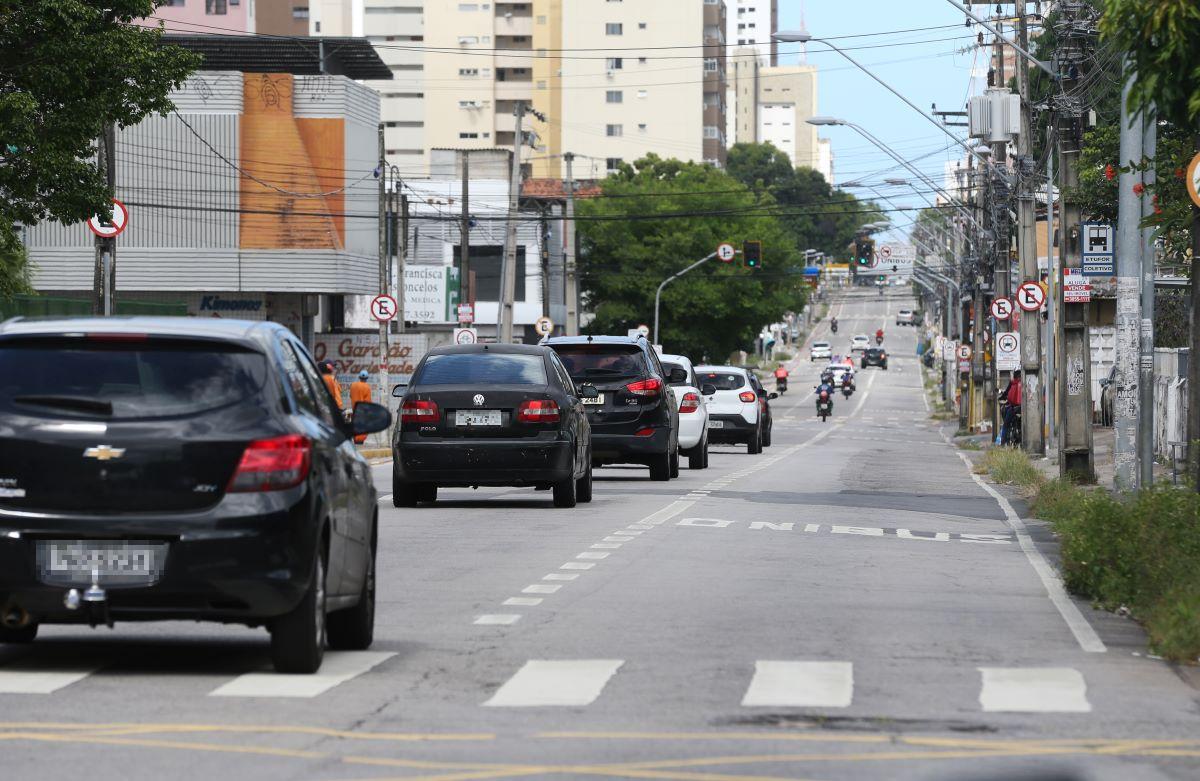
[{"x": 377, "y": 452}]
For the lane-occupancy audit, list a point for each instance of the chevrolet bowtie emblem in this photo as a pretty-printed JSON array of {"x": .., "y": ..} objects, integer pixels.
[{"x": 104, "y": 452}]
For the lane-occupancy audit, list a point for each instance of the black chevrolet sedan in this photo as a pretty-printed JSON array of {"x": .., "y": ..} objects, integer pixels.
[
  {"x": 163, "y": 468},
  {"x": 492, "y": 414}
]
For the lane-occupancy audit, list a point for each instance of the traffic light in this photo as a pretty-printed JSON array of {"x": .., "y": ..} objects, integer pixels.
[
  {"x": 752, "y": 253},
  {"x": 864, "y": 250}
]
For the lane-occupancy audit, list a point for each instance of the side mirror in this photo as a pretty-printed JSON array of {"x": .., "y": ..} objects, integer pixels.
[
  {"x": 588, "y": 391},
  {"x": 677, "y": 376},
  {"x": 369, "y": 418},
  {"x": 398, "y": 391},
  {"x": 773, "y": 396},
  {"x": 708, "y": 390}
]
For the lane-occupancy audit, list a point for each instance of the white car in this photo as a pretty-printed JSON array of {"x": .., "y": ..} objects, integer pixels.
[
  {"x": 860, "y": 343},
  {"x": 734, "y": 410},
  {"x": 821, "y": 350},
  {"x": 905, "y": 317},
  {"x": 839, "y": 368},
  {"x": 693, "y": 409}
]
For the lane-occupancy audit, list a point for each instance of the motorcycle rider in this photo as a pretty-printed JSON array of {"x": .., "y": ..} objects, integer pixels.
[
  {"x": 1012, "y": 406},
  {"x": 825, "y": 387},
  {"x": 847, "y": 384},
  {"x": 879, "y": 336},
  {"x": 833, "y": 325},
  {"x": 781, "y": 378}
]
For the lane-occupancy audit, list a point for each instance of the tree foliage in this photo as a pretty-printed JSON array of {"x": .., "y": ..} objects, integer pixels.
[
  {"x": 626, "y": 253},
  {"x": 816, "y": 215},
  {"x": 1159, "y": 39},
  {"x": 68, "y": 68}
]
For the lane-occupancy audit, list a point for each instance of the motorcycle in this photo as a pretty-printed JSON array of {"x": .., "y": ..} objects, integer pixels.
[
  {"x": 1011, "y": 435},
  {"x": 833, "y": 326},
  {"x": 824, "y": 405},
  {"x": 781, "y": 384},
  {"x": 878, "y": 340},
  {"x": 847, "y": 387}
]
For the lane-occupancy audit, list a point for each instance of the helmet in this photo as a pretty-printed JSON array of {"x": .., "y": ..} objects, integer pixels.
[
  {"x": 327, "y": 367},
  {"x": 362, "y": 375}
]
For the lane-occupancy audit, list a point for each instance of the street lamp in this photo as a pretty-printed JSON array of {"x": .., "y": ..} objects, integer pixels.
[{"x": 803, "y": 37}]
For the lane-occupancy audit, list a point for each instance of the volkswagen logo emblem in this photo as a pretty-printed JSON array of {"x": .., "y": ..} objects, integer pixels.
[{"x": 479, "y": 399}]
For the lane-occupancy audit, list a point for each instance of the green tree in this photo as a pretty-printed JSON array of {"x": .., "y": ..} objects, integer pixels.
[
  {"x": 1159, "y": 38},
  {"x": 626, "y": 252},
  {"x": 68, "y": 68}
]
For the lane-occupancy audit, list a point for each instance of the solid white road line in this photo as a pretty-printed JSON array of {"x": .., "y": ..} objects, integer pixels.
[
  {"x": 801, "y": 684},
  {"x": 1033, "y": 690},
  {"x": 558, "y": 683},
  {"x": 338, "y": 667},
  {"x": 40, "y": 678},
  {"x": 498, "y": 619},
  {"x": 1084, "y": 634}
]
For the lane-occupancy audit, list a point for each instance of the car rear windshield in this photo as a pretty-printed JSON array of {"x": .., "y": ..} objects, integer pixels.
[
  {"x": 820, "y": 345},
  {"x": 122, "y": 377},
  {"x": 597, "y": 361},
  {"x": 482, "y": 369},
  {"x": 723, "y": 380}
]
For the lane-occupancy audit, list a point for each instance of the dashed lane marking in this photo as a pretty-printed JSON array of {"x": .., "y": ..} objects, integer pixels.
[
  {"x": 801, "y": 685},
  {"x": 498, "y": 619},
  {"x": 1033, "y": 690},
  {"x": 338, "y": 667},
  {"x": 560, "y": 576},
  {"x": 523, "y": 601},
  {"x": 559, "y": 683},
  {"x": 577, "y": 565}
]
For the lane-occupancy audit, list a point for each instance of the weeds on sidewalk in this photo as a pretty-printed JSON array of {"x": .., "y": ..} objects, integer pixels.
[{"x": 1139, "y": 551}]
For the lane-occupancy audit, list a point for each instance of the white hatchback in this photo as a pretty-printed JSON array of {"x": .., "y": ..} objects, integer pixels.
[
  {"x": 693, "y": 409},
  {"x": 734, "y": 409},
  {"x": 860, "y": 343},
  {"x": 821, "y": 350}
]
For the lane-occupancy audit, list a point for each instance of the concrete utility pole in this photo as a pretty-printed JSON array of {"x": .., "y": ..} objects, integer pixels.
[
  {"x": 1145, "y": 444},
  {"x": 1074, "y": 376},
  {"x": 1050, "y": 386},
  {"x": 1001, "y": 260},
  {"x": 1033, "y": 400},
  {"x": 544, "y": 256},
  {"x": 383, "y": 257},
  {"x": 571, "y": 282},
  {"x": 1129, "y": 251},
  {"x": 104, "y": 280},
  {"x": 464, "y": 257},
  {"x": 401, "y": 253},
  {"x": 508, "y": 269}
]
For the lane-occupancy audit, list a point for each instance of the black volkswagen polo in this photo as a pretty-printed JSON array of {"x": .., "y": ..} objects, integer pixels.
[
  {"x": 492, "y": 414},
  {"x": 163, "y": 468}
]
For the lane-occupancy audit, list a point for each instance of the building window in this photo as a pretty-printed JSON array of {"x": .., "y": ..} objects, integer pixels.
[
  {"x": 468, "y": 72},
  {"x": 613, "y": 131},
  {"x": 613, "y": 164},
  {"x": 173, "y": 3},
  {"x": 466, "y": 39},
  {"x": 641, "y": 25},
  {"x": 216, "y": 7},
  {"x": 641, "y": 127},
  {"x": 299, "y": 12},
  {"x": 614, "y": 63},
  {"x": 613, "y": 28},
  {"x": 641, "y": 93},
  {"x": 614, "y": 96},
  {"x": 468, "y": 6},
  {"x": 641, "y": 60},
  {"x": 710, "y": 64},
  {"x": 711, "y": 131},
  {"x": 468, "y": 135}
]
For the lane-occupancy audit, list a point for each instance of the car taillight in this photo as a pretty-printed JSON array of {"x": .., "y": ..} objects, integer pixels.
[
  {"x": 419, "y": 411},
  {"x": 650, "y": 387},
  {"x": 538, "y": 411},
  {"x": 748, "y": 396},
  {"x": 690, "y": 403},
  {"x": 272, "y": 464},
  {"x": 644, "y": 432}
]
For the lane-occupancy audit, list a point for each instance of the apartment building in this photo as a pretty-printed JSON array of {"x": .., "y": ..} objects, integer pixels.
[
  {"x": 396, "y": 29},
  {"x": 787, "y": 98},
  {"x": 741, "y": 95},
  {"x": 205, "y": 17},
  {"x": 751, "y": 23},
  {"x": 282, "y": 17}
]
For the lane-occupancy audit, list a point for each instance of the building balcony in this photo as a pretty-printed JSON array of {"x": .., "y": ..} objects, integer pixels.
[
  {"x": 514, "y": 24},
  {"x": 514, "y": 90},
  {"x": 515, "y": 59}
]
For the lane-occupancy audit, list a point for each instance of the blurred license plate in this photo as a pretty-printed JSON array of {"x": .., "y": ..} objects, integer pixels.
[
  {"x": 477, "y": 417},
  {"x": 107, "y": 562},
  {"x": 593, "y": 399},
  {"x": 716, "y": 424}
]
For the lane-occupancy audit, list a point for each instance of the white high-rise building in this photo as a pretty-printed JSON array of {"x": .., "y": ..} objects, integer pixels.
[{"x": 751, "y": 23}]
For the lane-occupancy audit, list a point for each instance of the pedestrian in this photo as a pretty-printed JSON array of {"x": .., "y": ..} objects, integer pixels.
[
  {"x": 1012, "y": 405},
  {"x": 360, "y": 391},
  {"x": 331, "y": 383}
]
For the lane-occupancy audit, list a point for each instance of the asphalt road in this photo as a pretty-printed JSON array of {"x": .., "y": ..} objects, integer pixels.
[{"x": 851, "y": 604}]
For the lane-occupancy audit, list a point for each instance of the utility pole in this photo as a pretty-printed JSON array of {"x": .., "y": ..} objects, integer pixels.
[
  {"x": 1050, "y": 386},
  {"x": 544, "y": 253},
  {"x": 402, "y": 255},
  {"x": 383, "y": 257},
  {"x": 1129, "y": 251},
  {"x": 508, "y": 275},
  {"x": 1145, "y": 443},
  {"x": 1075, "y": 32},
  {"x": 464, "y": 256},
  {"x": 572, "y": 282},
  {"x": 1033, "y": 400},
  {"x": 105, "y": 277}
]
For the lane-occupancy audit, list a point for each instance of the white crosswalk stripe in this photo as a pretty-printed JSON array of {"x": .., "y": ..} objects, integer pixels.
[
  {"x": 39, "y": 678},
  {"x": 338, "y": 667},
  {"x": 1033, "y": 690},
  {"x": 543, "y": 682},
  {"x": 801, "y": 684}
]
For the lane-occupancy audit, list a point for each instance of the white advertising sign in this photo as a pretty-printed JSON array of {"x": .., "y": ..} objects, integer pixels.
[
  {"x": 1008, "y": 351},
  {"x": 431, "y": 294}
]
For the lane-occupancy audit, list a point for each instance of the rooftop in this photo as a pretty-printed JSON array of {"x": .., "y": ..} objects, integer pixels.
[{"x": 353, "y": 58}]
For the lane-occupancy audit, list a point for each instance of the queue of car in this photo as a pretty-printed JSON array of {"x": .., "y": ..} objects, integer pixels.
[{"x": 165, "y": 469}]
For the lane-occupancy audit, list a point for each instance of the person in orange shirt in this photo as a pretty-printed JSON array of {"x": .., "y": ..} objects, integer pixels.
[
  {"x": 360, "y": 391},
  {"x": 331, "y": 383}
]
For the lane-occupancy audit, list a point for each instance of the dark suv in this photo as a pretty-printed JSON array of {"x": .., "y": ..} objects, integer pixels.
[
  {"x": 874, "y": 356},
  {"x": 635, "y": 416},
  {"x": 171, "y": 468}
]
